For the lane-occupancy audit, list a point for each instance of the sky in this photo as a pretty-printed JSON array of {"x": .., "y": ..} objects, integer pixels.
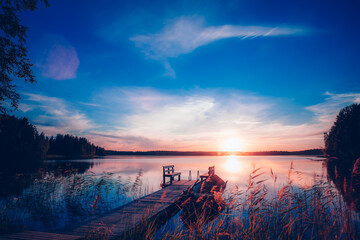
[{"x": 245, "y": 75}]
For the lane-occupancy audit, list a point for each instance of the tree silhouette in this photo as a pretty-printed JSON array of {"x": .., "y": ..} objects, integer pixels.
[
  {"x": 72, "y": 146},
  {"x": 20, "y": 143},
  {"x": 22, "y": 147},
  {"x": 343, "y": 140},
  {"x": 14, "y": 63}
]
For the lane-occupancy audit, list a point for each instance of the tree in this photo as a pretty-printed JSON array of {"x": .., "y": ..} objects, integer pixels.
[
  {"x": 14, "y": 63},
  {"x": 343, "y": 140},
  {"x": 73, "y": 146},
  {"x": 20, "y": 143}
]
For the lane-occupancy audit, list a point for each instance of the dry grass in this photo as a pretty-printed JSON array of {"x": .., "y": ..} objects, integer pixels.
[
  {"x": 54, "y": 200},
  {"x": 258, "y": 212},
  {"x": 101, "y": 232}
]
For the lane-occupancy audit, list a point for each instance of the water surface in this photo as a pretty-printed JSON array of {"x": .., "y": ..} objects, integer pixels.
[
  {"x": 63, "y": 192},
  {"x": 235, "y": 169}
]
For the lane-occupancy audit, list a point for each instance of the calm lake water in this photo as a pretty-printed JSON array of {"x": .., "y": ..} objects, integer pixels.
[
  {"x": 234, "y": 169},
  {"x": 69, "y": 191}
]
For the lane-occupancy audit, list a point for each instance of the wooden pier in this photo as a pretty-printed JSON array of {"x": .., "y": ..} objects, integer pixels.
[
  {"x": 32, "y": 235},
  {"x": 125, "y": 220},
  {"x": 160, "y": 204}
]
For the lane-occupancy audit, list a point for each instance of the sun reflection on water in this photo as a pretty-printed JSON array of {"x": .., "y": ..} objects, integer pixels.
[{"x": 233, "y": 164}]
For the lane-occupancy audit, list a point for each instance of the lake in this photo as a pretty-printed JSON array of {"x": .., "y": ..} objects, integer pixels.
[
  {"x": 63, "y": 192},
  {"x": 234, "y": 169}
]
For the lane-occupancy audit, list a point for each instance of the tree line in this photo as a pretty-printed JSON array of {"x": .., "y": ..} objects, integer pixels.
[
  {"x": 69, "y": 145},
  {"x": 343, "y": 139},
  {"x": 21, "y": 142},
  {"x": 342, "y": 147}
]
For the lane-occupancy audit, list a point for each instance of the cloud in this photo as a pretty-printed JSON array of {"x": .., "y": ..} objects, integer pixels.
[
  {"x": 25, "y": 107},
  {"x": 204, "y": 118},
  {"x": 89, "y": 104},
  {"x": 56, "y": 115},
  {"x": 61, "y": 62},
  {"x": 135, "y": 118},
  {"x": 128, "y": 143},
  {"x": 326, "y": 110},
  {"x": 185, "y": 34}
]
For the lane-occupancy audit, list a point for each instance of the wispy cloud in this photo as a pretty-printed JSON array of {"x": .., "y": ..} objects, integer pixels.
[
  {"x": 185, "y": 34},
  {"x": 203, "y": 118},
  {"x": 56, "y": 115},
  {"x": 89, "y": 104},
  {"x": 326, "y": 110},
  {"x": 197, "y": 119},
  {"x": 114, "y": 141}
]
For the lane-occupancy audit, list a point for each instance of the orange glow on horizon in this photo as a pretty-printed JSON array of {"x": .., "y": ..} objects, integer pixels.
[{"x": 232, "y": 145}]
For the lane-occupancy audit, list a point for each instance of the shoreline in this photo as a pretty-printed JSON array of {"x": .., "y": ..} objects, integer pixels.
[{"x": 311, "y": 152}]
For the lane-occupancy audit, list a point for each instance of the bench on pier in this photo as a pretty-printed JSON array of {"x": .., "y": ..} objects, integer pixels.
[
  {"x": 208, "y": 174},
  {"x": 169, "y": 171}
]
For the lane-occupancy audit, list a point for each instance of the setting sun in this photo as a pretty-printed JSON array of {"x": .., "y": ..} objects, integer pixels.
[{"x": 232, "y": 145}]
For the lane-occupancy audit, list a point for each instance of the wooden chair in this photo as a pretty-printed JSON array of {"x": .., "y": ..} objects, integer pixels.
[
  {"x": 169, "y": 171},
  {"x": 208, "y": 174}
]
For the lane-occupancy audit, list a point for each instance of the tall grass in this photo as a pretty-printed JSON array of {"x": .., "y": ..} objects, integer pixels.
[
  {"x": 288, "y": 212},
  {"x": 52, "y": 201},
  {"x": 260, "y": 210}
]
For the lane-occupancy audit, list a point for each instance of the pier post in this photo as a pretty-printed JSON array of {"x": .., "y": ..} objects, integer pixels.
[{"x": 190, "y": 178}]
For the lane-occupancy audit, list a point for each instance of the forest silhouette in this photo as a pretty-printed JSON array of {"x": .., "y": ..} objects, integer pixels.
[
  {"x": 22, "y": 146},
  {"x": 342, "y": 148}
]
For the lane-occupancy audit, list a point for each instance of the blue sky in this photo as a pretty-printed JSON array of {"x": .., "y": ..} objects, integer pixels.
[{"x": 192, "y": 75}]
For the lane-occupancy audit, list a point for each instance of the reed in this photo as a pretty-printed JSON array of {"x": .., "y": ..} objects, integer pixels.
[
  {"x": 260, "y": 210},
  {"x": 288, "y": 212},
  {"x": 54, "y": 200},
  {"x": 101, "y": 232}
]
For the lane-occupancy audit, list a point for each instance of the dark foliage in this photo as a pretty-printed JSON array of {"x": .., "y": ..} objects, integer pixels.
[
  {"x": 69, "y": 145},
  {"x": 23, "y": 148},
  {"x": 14, "y": 63},
  {"x": 343, "y": 140},
  {"x": 343, "y": 143},
  {"x": 20, "y": 143},
  {"x": 346, "y": 178},
  {"x": 19, "y": 179}
]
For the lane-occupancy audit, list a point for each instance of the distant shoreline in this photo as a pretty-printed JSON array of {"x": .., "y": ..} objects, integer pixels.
[
  {"x": 312, "y": 152},
  {"x": 65, "y": 157}
]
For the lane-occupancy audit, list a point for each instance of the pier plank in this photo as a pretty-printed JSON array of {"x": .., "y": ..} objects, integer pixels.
[
  {"x": 32, "y": 235},
  {"x": 122, "y": 219},
  {"x": 133, "y": 214}
]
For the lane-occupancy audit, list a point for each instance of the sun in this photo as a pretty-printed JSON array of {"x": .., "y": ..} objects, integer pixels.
[{"x": 232, "y": 145}]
